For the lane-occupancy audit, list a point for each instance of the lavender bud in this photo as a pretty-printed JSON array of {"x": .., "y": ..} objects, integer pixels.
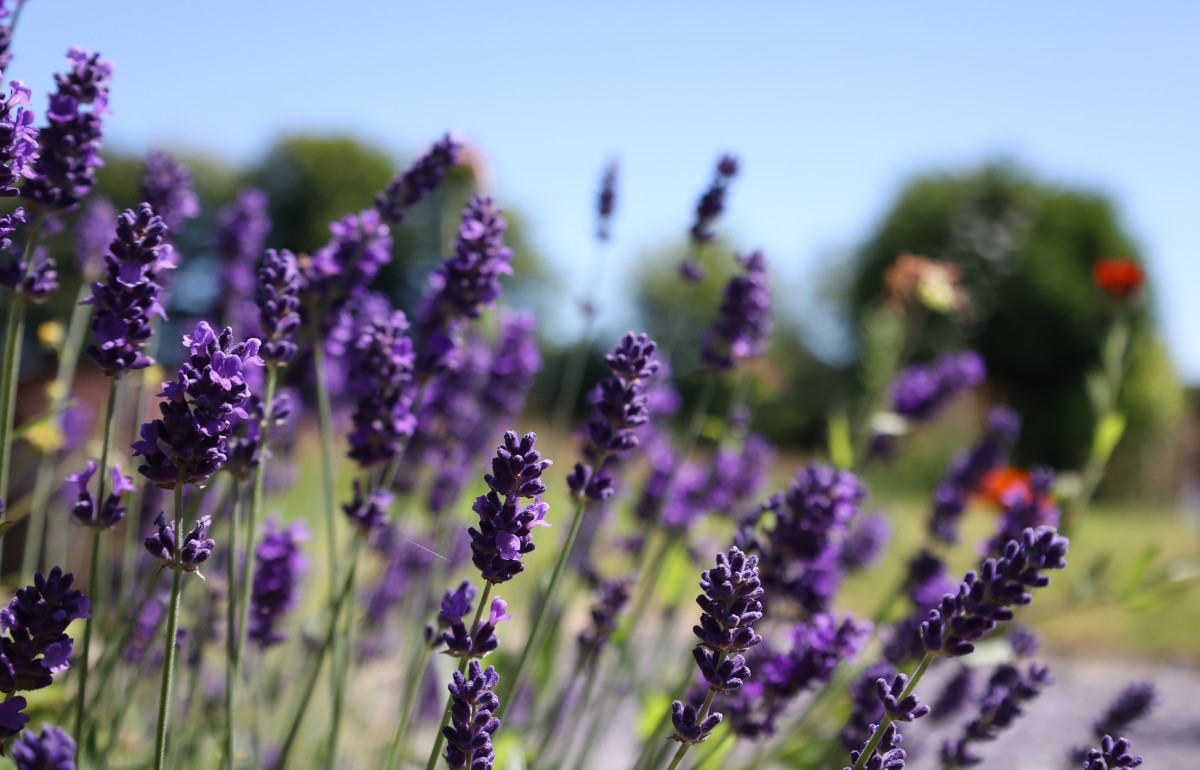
[
  {"x": 49, "y": 749},
  {"x": 197, "y": 545},
  {"x": 921, "y": 391}
]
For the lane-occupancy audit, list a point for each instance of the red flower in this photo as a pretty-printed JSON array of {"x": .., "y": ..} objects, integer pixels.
[{"x": 1118, "y": 277}]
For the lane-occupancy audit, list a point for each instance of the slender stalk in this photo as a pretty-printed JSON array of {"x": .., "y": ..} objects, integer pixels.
[
  {"x": 877, "y": 734},
  {"x": 531, "y": 642},
  {"x": 256, "y": 504},
  {"x": 325, "y": 414},
  {"x": 462, "y": 669},
  {"x": 232, "y": 627},
  {"x": 416, "y": 675},
  {"x": 168, "y": 670},
  {"x": 314, "y": 672},
  {"x": 340, "y": 667}
]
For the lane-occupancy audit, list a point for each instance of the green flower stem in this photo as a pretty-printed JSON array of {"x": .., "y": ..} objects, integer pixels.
[
  {"x": 168, "y": 669},
  {"x": 94, "y": 569},
  {"x": 340, "y": 666},
  {"x": 877, "y": 735},
  {"x": 327, "y": 641},
  {"x": 416, "y": 675},
  {"x": 232, "y": 628},
  {"x": 325, "y": 413},
  {"x": 532, "y": 641},
  {"x": 43, "y": 487},
  {"x": 462, "y": 669}
]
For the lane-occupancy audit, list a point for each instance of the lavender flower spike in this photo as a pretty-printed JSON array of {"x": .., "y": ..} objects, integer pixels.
[
  {"x": 708, "y": 209},
  {"x": 277, "y": 295},
  {"x": 921, "y": 391},
  {"x": 744, "y": 318},
  {"x": 274, "y": 589},
  {"x": 35, "y": 278},
  {"x": 111, "y": 511},
  {"x": 34, "y": 645},
  {"x": 1112, "y": 755},
  {"x": 472, "y": 724},
  {"x": 167, "y": 187},
  {"x": 606, "y": 201},
  {"x": 18, "y": 139},
  {"x": 382, "y": 384},
  {"x": 418, "y": 182},
  {"x": 1007, "y": 692},
  {"x": 505, "y": 531},
  {"x": 49, "y": 749},
  {"x": 887, "y": 754},
  {"x": 197, "y": 545}
]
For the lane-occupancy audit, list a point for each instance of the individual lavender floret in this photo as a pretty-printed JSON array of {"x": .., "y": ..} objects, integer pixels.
[
  {"x": 1112, "y": 755},
  {"x": 1003, "y": 701},
  {"x": 897, "y": 705},
  {"x": 49, "y": 749},
  {"x": 197, "y": 545},
  {"x": 986, "y": 599},
  {"x": 277, "y": 294},
  {"x": 505, "y": 531},
  {"x": 418, "y": 182},
  {"x": 34, "y": 645},
  {"x": 463, "y": 286},
  {"x": 187, "y": 444},
  {"x": 128, "y": 296},
  {"x": 708, "y": 209},
  {"x": 608, "y": 602},
  {"x": 12, "y": 716},
  {"x": 472, "y": 724},
  {"x": 65, "y": 169},
  {"x": 744, "y": 318},
  {"x": 619, "y": 407},
  {"x": 84, "y": 510},
  {"x": 887, "y": 754},
  {"x": 18, "y": 139},
  {"x": 923, "y": 390},
  {"x": 967, "y": 470},
  {"x": 93, "y": 232},
  {"x": 462, "y": 642},
  {"x": 689, "y": 727},
  {"x": 167, "y": 187},
  {"x": 278, "y": 565},
  {"x": 382, "y": 386},
  {"x": 606, "y": 201},
  {"x": 368, "y": 514}
]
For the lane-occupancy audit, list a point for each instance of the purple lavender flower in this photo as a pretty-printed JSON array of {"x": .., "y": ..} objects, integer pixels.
[
  {"x": 36, "y": 278},
  {"x": 866, "y": 710},
  {"x": 985, "y": 599},
  {"x": 463, "y": 286},
  {"x": 505, "y": 531},
  {"x": 608, "y": 601},
  {"x": 1003, "y": 701},
  {"x": 514, "y": 366},
  {"x": 744, "y": 319},
  {"x": 124, "y": 302},
  {"x": 84, "y": 510},
  {"x": 381, "y": 382},
  {"x": 897, "y": 705},
  {"x": 462, "y": 642},
  {"x": 472, "y": 724},
  {"x": 93, "y": 232},
  {"x": 65, "y": 169},
  {"x": 278, "y": 565},
  {"x": 967, "y": 470},
  {"x": 197, "y": 545},
  {"x": 1130, "y": 705},
  {"x": 18, "y": 139},
  {"x": 368, "y": 514},
  {"x": 955, "y": 694},
  {"x": 887, "y": 754},
  {"x": 49, "y": 749},
  {"x": 12, "y": 716},
  {"x": 187, "y": 444},
  {"x": 242, "y": 228},
  {"x": 34, "y": 645},
  {"x": 619, "y": 407},
  {"x": 167, "y": 187},
  {"x": 359, "y": 245},
  {"x": 418, "y": 182},
  {"x": 708, "y": 209},
  {"x": 921, "y": 391},
  {"x": 277, "y": 294},
  {"x": 1112, "y": 755},
  {"x": 1024, "y": 642},
  {"x": 864, "y": 543},
  {"x": 606, "y": 201}
]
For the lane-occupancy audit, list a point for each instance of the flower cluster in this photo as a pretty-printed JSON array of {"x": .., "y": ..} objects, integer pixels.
[
  {"x": 418, "y": 182},
  {"x": 368, "y": 513},
  {"x": 35, "y": 278},
  {"x": 359, "y": 245},
  {"x": 242, "y": 228},
  {"x": 1003, "y": 701},
  {"x": 49, "y": 749},
  {"x": 35, "y": 645},
  {"x": 619, "y": 407},
  {"x": 382, "y": 385},
  {"x": 65, "y": 169},
  {"x": 744, "y": 318},
  {"x": 196, "y": 549},
  {"x": 469, "y": 734},
  {"x": 18, "y": 139},
  {"x": 866, "y": 710},
  {"x": 167, "y": 187},
  {"x": 128, "y": 296},
  {"x": 986, "y": 599},
  {"x": 606, "y": 201},
  {"x": 968, "y": 470},
  {"x": 708, "y": 209},
  {"x": 278, "y": 565},
  {"x": 609, "y": 600},
  {"x": 921, "y": 391},
  {"x": 936, "y": 285},
  {"x": 84, "y": 510},
  {"x": 505, "y": 531},
  {"x": 1130, "y": 705},
  {"x": 460, "y": 641},
  {"x": 277, "y": 294},
  {"x": 187, "y": 444},
  {"x": 1112, "y": 755},
  {"x": 463, "y": 286}
]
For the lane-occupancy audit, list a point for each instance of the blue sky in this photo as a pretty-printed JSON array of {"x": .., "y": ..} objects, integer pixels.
[{"x": 830, "y": 106}]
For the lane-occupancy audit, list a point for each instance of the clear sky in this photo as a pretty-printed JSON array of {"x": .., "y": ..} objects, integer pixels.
[{"x": 831, "y": 106}]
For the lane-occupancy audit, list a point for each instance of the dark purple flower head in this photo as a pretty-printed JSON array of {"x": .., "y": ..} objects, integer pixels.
[
  {"x": 463, "y": 286},
  {"x": 359, "y": 245},
  {"x": 1133, "y": 703},
  {"x": 456, "y": 604},
  {"x": 418, "y": 182},
  {"x": 167, "y": 187},
  {"x": 712, "y": 202},
  {"x": 887, "y": 754},
  {"x": 730, "y": 605},
  {"x": 382, "y": 386},
  {"x": 84, "y": 510},
  {"x": 277, "y": 294},
  {"x": 956, "y": 692},
  {"x": 505, "y": 531},
  {"x": 128, "y": 296},
  {"x": 12, "y": 716},
  {"x": 35, "y": 278},
  {"x": 242, "y": 228},
  {"x": 1112, "y": 755},
  {"x": 461, "y": 641},
  {"x": 897, "y": 705},
  {"x": 34, "y": 645},
  {"x": 187, "y": 444},
  {"x": 1003, "y": 701},
  {"x": 744, "y": 319},
  {"x": 921, "y": 391},
  {"x": 18, "y": 139},
  {"x": 1024, "y": 642},
  {"x": 368, "y": 514},
  {"x": 689, "y": 727},
  {"x": 606, "y": 201},
  {"x": 967, "y": 471},
  {"x": 278, "y": 565},
  {"x": 93, "y": 232},
  {"x": 49, "y": 749},
  {"x": 472, "y": 724},
  {"x": 987, "y": 598},
  {"x": 65, "y": 169},
  {"x": 197, "y": 545},
  {"x": 818, "y": 646}
]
